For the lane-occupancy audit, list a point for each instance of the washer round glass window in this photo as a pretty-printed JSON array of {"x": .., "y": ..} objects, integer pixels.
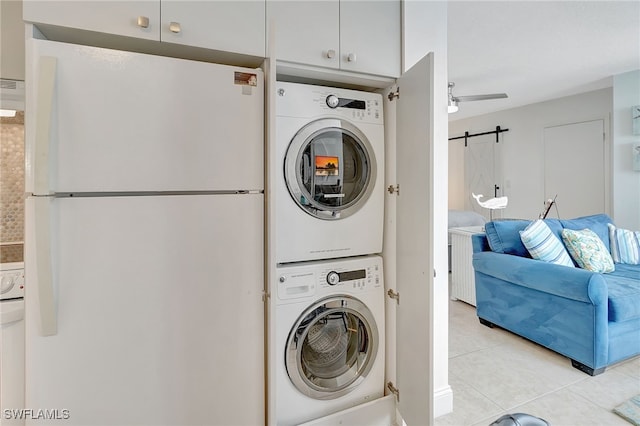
[
  {"x": 332, "y": 347},
  {"x": 330, "y": 169}
]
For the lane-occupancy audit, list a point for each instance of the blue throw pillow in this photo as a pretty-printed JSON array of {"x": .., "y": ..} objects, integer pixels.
[
  {"x": 597, "y": 223},
  {"x": 504, "y": 236},
  {"x": 543, "y": 244}
]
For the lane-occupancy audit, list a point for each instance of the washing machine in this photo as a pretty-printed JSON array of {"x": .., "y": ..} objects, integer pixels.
[
  {"x": 330, "y": 184},
  {"x": 329, "y": 337}
]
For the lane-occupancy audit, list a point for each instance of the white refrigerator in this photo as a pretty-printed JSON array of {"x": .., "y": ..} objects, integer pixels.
[{"x": 144, "y": 239}]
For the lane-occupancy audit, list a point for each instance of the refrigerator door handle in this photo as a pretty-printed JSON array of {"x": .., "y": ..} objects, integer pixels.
[
  {"x": 44, "y": 108},
  {"x": 46, "y": 301}
]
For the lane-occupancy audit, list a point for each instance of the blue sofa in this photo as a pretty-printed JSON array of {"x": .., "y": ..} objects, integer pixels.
[{"x": 591, "y": 318}]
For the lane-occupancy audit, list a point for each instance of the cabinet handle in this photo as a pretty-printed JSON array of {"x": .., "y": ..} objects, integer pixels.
[
  {"x": 174, "y": 27},
  {"x": 351, "y": 57},
  {"x": 331, "y": 53},
  {"x": 143, "y": 22}
]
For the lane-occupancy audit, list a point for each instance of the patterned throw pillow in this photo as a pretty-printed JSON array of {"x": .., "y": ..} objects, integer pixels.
[
  {"x": 625, "y": 245},
  {"x": 543, "y": 245},
  {"x": 588, "y": 250}
]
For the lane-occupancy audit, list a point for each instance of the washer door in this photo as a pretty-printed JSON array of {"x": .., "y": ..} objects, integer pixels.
[
  {"x": 329, "y": 169},
  {"x": 332, "y": 347}
]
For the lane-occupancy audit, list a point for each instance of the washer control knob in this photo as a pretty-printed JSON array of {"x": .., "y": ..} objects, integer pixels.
[
  {"x": 332, "y": 101},
  {"x": 333, "y": 278}
]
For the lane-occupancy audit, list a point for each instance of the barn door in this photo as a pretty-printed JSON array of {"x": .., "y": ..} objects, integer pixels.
[{"x": 482, "y": 172}]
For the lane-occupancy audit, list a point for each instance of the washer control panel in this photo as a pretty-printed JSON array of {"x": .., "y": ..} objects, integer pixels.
[
  {"x": 12, "y": 284},
  {"x": 310, "y": 101},
  {"x": 346, "y": 278},
  {"x": 318, "y": 278}
]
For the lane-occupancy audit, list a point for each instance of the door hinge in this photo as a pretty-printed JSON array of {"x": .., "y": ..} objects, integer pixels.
[
  {"x": 394, "y": 189},
  {"x": 394, "y": 95},
  {"x": 394, "y": 390},
  {"x": 265, "y": 296},
  {"x": 392, "y": 294}
]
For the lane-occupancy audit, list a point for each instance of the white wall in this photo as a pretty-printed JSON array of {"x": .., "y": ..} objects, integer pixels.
[
  {"x": 626, "y": 182},
  {"x": 424, "y": 31},
  {"x": 522, "y": 147}
]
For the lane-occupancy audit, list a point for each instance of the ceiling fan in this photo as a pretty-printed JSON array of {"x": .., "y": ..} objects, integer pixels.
[{"x": 453, "y": 100}]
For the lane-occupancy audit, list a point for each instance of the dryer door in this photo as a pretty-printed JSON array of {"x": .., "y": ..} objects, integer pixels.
[
  {"x": 330, "y": 168},
  {"x": 332, "y": 347}
]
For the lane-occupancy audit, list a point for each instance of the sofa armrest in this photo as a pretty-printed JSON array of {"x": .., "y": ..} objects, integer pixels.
[{"x": 570, "y": 283}]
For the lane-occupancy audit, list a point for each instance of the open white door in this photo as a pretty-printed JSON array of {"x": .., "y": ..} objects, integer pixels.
[{"x": 415, "y": 269}]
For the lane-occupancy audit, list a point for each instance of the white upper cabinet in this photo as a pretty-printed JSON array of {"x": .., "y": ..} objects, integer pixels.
[
  {"x": 351, "y": 35},
  {"x": 370, "y": 37},
  {"x": 230, "y": 26},
  {"x": 307, "y": 31},
  {"x": 140, "y": 19}
]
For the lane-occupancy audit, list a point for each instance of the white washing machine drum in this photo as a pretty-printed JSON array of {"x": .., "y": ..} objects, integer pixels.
[
  {"x": 330, "y": 168},
  {"x": 332, "y": 347}
]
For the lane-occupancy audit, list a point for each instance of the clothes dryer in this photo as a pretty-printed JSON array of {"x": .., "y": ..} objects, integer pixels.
[
  {"x": 329, "y": 338},
  {"x": 330, "y": 185}
]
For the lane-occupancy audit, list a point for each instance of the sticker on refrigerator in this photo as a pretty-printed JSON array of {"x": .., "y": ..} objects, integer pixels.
[{"x": 246, "y": 80}]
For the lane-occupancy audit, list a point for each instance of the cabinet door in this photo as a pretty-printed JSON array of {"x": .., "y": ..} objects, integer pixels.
[
  {"x": 414, "y": 243},
  {"x": 307, "y": 31},
  {"x": 126, "y": 18},
  {"x": 370, "y": 37},
  {"x": 232, "y": 26}
]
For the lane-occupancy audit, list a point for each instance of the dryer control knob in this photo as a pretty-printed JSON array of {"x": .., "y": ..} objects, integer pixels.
[
  {"x": 8, "y": 282},
  {"x": 333, "y": 278},
  {"x": 332, "y": 101}
]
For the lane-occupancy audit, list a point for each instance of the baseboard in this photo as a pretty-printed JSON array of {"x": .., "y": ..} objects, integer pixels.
[{"x": 442, "y": 401}]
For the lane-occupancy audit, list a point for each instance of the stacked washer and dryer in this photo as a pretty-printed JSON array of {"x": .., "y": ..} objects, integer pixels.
[{"x": 328, "y": 297}]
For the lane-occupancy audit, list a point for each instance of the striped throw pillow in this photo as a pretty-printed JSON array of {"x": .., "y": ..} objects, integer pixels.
[
  {"x": 625, "y": 245},
  {"x": 543, "y": 245}
]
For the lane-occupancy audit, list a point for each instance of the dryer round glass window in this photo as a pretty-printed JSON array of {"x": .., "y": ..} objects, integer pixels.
[
  {"x": 332, "y": 347},
  {"x": 330, "y": 169}
]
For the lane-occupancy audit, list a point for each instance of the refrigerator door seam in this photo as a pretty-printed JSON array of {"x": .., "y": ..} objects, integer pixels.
[{"x": 152, "y": 193}]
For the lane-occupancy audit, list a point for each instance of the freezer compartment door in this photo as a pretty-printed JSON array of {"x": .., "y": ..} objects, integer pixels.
[
  {"x": 159, "y": 310},
  {"x": 124, "y": 121}
]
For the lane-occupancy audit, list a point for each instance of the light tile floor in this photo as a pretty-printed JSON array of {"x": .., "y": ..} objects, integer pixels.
[{"x": 493, "y": 372}]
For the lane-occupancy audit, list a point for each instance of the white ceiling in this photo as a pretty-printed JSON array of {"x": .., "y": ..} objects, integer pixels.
[{"x": 538, "y": 50}]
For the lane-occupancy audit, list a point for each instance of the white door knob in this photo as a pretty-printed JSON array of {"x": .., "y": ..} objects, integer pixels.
[
  {"x": 143, "y": 22},
  {"x": 174, "y": 27},
  {"x": 331, "y": 53},
  {"x": 351, "y": 57}
]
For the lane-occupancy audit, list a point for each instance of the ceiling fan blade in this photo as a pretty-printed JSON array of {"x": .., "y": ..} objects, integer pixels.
[{"x": 480, "y": 97}]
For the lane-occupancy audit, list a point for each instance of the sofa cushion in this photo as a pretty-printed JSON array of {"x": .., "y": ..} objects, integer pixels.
[
  {"x": 625, "y": 245},
  {"x": 504, "y": 235},
  {"x": 597, "y": 223},
  {"x": 588, "y": 250},
  {"x": 543, "y": 245},
  {"x": 624, "y": 296},
  {"x": 627, "y": 271}
]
